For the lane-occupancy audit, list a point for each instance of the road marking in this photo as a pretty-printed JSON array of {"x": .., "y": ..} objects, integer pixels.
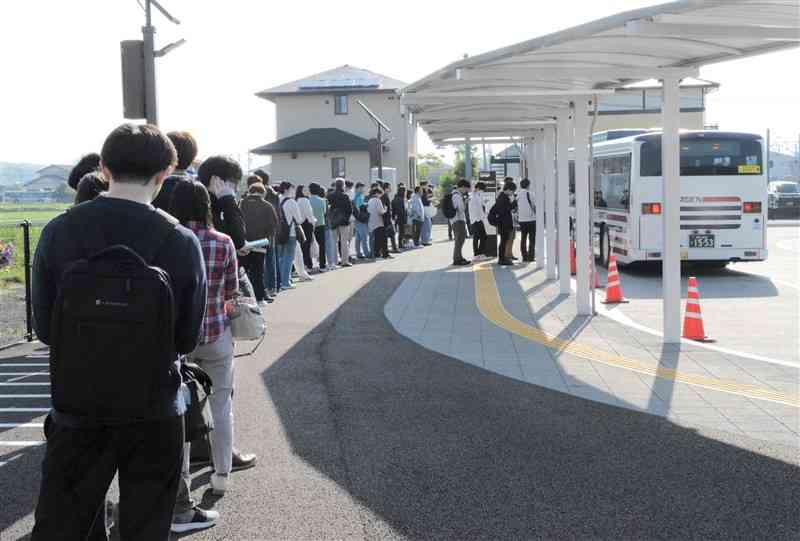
[
  {"x": 6, "y": 384},
  {"x": 490, "y": 304},
  {"x": 21, "y": 425},
  {"x": 24, "y": 410},
  {"x": 22, "y": 443},
  {"x": 24, "y": 373},
  {"x": 26, "y": 365},
  {"x": 10, "y": 459},
  {"x": 24, "y": 396}
]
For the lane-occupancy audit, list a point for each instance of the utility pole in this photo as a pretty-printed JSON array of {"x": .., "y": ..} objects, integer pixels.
[{"x": 139, "y": 68}]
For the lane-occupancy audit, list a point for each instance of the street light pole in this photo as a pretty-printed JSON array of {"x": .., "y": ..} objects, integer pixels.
[{"x": 148, "y": 35}]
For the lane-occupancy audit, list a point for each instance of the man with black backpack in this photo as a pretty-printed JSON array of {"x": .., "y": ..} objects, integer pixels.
[
  {"x": 455, "y": 211},
  {"x": 119, "y": 290}
]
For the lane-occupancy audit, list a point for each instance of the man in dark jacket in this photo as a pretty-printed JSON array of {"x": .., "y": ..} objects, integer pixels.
[
  {"x": 186, "y": 147},
  {"x": 221, "y": 175},
  {"x": 341, "y": 211},
  {"x": 503, "y": 208},
  {"x": 386, "y": 199},
  {"x": 84, "y": 453},
  {"x": 399, "y": 215},
  {"x": 261, "y": 220}
]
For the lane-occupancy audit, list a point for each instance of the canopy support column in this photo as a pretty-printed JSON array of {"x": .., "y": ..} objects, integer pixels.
[
  {"x": 671, "y": 186},
  {"x": 538, "y": 198},
  {"x": 583, "y": 248},
  {"x": 550, "y": 198},
  {"x": 468, "y": 160},
  {"x": 564, "y": 135}
]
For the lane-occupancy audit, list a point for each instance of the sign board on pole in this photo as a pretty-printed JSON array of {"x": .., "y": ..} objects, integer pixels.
[{"x": 133, "y": 92}]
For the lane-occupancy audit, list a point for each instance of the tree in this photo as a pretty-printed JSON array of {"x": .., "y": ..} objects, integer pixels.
[
  {"x": 427, "y": 162},
  {"x": 459, "y": 167},
  {"x": 64, "y": 193}
]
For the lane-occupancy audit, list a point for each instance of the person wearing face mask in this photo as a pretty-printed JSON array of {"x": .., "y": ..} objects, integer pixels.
[{"x": 221, "y": 176}]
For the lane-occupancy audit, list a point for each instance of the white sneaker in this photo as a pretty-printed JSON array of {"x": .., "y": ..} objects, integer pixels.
[
  {"x": 199, "y": 519},
  {"x": 219, "y": 484},
  {"x": 306, "y": 278},
  {"x": 263, "y": 304}
]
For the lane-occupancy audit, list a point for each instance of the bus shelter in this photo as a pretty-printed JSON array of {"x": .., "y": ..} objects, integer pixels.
[{"x": 544, "y": 91}]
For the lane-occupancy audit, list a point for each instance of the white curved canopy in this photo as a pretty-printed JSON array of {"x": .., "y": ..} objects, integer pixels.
[{"x": 510, "y": 91}]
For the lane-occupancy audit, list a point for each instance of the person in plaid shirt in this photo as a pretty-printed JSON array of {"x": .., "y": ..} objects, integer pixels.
[{"x": 191, "y": 205}]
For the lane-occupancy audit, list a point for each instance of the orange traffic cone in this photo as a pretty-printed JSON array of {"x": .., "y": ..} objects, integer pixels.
[
  {"x": 572, "y": 265},
  {"x": 613, "y": 285},
  {"x": 693, "y": 319}
]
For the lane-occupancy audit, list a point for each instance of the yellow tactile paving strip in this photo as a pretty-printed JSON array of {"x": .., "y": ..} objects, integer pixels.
[{"x": 491, "y": 307}]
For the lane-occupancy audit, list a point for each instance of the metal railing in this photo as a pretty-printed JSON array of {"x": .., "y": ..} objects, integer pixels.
[{"x": 16, "y": 309}]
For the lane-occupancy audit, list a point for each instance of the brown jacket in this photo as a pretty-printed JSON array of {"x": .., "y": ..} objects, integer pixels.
[{"x": 260, "y": 217}]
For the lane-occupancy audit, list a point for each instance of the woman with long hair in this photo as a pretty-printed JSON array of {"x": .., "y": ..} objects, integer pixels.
[{"x": 308, "y": 224}]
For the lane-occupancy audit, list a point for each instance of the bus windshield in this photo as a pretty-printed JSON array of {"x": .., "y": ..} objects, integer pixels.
[{"x": 706, "y": 157}]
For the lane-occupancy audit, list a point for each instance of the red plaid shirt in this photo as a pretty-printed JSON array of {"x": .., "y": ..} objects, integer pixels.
[{"x": 221, "y": 273}]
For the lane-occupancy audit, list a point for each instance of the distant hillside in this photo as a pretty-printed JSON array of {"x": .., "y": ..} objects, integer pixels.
[{"x": 17, "y": 173}]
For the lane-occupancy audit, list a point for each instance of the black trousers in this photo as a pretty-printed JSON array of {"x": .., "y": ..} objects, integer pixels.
[
  {"x": 390, "y": 233},
  {"x": 506, "y": 236},
  {"x": 417, "y": 225},
  {"x": 308, "y": 229},
  {"x": 319, "y": 234},
  {"x": 478, "y": 238},
  {"x": 80, "y": 464},
  {"x": 380, "y": 248},
  {"x": 254, "y": 267},
  {"x": 527, "y": 240}
]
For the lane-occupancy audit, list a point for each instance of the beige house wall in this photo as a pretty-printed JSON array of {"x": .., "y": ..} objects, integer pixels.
[
  {"x": 297, "y": 113},
  {"x": 310, "y": 167}
]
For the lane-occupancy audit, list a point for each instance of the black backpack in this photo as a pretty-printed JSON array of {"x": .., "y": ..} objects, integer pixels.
[
  {"x": 113, "y": 328},
  {"x": 448, "y": 209},
  {"x": 494, "y": 216},
  {"x": 283, "y": 226},
  {"x": 363, "y": 214}
]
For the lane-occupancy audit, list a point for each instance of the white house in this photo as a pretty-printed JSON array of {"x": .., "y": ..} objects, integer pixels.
[{"x": 323, "y": 133}]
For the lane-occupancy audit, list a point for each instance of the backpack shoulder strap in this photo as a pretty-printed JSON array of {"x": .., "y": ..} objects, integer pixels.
[
  {"x": 527, "y": 193},
  {"x": 164, "y": 224}
]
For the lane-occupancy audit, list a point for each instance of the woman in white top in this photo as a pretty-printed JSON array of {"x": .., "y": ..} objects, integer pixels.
[
  {"x": 376, "y": 210},
  {"x": 303, "y": 245},
  {"x": 308, "y": 222},
  {"x": 287, "y": 251}
]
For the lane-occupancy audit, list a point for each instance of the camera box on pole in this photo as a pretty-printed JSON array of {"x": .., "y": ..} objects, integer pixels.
[{"x": 133, "y": 91}]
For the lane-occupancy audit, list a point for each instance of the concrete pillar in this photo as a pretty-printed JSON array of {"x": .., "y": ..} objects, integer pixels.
[
  {"x": 582, "y": 241},
  {"x": 550, "y": 199},
  {"x": 539, "y": 198},
  {"x": 671, "y": 186},
  {"x": 564, "y": 135},
  {"x": 468, "y": 160}
]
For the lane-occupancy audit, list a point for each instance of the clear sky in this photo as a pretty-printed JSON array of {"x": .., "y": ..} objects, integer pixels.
[{"x": 61, "y": 82}]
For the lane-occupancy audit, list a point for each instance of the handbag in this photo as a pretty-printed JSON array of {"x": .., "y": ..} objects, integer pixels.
[
  {"x": 299, "y": 234},
  {"x": 197, "y": 420},
  {"x": 247, "y": 320}
]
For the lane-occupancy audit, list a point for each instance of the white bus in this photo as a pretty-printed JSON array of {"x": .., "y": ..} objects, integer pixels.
[{"x": 723, "y": 213}]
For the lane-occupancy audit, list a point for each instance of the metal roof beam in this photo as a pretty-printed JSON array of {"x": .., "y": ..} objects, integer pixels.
[
  {"x": 705, "y": 31},
  {"x": 423, "y": 98},
  {"x": 612, "y": 73}
]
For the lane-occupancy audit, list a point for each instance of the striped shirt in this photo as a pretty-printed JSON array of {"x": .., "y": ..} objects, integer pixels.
[{"x": 223, "y": 282}]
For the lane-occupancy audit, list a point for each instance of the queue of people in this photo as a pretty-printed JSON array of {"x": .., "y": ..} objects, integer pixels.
[{"x": 151, "y": 260}]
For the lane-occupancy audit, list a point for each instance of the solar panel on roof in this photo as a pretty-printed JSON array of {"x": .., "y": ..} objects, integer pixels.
[{"x": 341, "y": 83}]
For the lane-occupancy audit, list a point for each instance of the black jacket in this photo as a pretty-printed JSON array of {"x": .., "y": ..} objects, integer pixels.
[
  {"x": 399, "y": 214},
  {"x": 503, "y": 208},
  {"x": 164, "y": 197},
  {"x": 228, "y": 219},
  {"x": 341, "y": 208}
]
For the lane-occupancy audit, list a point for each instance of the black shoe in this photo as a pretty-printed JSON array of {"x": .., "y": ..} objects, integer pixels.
[
  {"x": 200, "y": 520},
  {"x": 505, "y": 262},
  {"x": 388, "y": 257},
  {"x": 242, "y": 461},
  {"x": 461, "y": 263}
]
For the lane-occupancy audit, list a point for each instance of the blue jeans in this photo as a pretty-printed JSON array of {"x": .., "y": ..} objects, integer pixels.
[
  {"x": 331, "y": 247},
  {"x": 427, "y": 226},
  {"x": 286, "y": 260},
  {"x": 271, "y": 268},
  {"x": 363, "y": 243}
]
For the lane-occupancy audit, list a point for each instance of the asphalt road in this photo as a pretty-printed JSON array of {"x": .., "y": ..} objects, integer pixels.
[
  {"x": 363, "y": 434},
  {"x": 749, "y": 307}
]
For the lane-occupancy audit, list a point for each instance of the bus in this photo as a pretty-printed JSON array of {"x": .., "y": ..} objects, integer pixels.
[{"x": 723, "y": 208}]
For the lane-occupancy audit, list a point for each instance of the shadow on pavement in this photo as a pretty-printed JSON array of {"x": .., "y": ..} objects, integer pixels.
[{"x": 440, "y": 449}]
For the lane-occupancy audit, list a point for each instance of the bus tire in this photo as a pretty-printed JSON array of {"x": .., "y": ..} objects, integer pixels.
[{"x": 605, "y": 246}]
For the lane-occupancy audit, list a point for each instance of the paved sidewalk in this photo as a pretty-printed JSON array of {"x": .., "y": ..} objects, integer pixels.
[{"x": 513, "y": 321}]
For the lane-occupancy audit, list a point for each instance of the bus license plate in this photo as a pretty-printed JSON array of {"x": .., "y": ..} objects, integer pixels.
[{"x": 701, "y": 241}]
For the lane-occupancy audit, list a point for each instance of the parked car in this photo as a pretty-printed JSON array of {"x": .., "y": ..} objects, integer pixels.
[{"x": 784, "y": 198}]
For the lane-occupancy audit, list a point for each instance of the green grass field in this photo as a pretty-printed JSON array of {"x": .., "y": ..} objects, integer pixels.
[{"x": 10, "y": 231}]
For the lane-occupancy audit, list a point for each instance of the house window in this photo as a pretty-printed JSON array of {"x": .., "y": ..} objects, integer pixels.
[
  {"x": 337, "y": 168},
  {"x": 340, "y": 104}
]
